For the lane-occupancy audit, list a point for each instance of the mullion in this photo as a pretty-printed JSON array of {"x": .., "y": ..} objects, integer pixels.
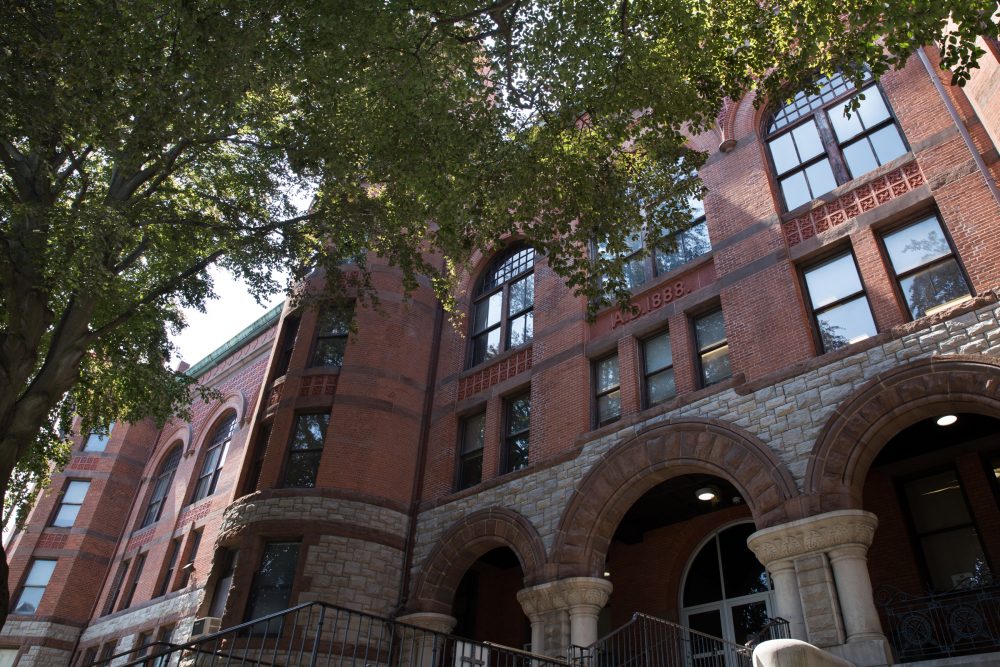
[
  {"x": 841, "y": 174},
  {"x": 839, "y": 302}
]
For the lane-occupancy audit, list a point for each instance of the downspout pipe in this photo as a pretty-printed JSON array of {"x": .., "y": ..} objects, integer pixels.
[{"x": 962, "y": 130}]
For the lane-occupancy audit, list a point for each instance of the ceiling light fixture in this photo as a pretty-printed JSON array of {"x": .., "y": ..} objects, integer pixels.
[
  {"x": 707, "y": 494},
  {"x": 946, "y": 420}
]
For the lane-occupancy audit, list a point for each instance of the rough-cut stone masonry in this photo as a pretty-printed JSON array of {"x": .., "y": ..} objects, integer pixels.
[
  {"x": 158, "y": 613},
  {"x": 787, "y": 415},
  {"x": 356, "y": 573},
  {"x": 305, "y": 508}
]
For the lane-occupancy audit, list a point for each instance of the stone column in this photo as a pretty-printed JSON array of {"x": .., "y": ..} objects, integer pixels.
[
  {"x": 564, "y": 612},
  {"x": 819, "y": 566},
  {"x": 422, "y": 649}
]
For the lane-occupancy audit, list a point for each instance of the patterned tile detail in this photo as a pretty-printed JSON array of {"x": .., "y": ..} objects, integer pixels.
[
  {"x": 319, "y": 385},
  {"x": 140, "y": 539},
  {"x": 852, "y": 204},
  {"x": 494, "y": 374}
]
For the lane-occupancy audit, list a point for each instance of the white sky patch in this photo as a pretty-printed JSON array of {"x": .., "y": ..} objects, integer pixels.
[{"x": 223, "y": 318}]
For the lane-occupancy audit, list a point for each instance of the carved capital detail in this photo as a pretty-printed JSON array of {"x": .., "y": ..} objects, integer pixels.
[
  {"x": 564, "y": 594},
  {"x": 816, "y": 534}
]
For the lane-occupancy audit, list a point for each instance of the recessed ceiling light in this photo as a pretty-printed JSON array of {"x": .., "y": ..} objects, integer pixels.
[
  {"x": 706, "y": 494},
  {"x": 946, "y": 420}
]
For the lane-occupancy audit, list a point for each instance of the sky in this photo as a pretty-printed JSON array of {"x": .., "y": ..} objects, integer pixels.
[{"x": 223, "y": 318}]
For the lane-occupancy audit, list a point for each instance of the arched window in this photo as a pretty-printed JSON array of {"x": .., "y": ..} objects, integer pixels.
[
  {"x": 814, "y": 147},
  {"x": 161, "y": 487},
  {"x": 215, "y": 457},
  {"x": 727, "y": 592},
  {"x": 502, "y": 306}
]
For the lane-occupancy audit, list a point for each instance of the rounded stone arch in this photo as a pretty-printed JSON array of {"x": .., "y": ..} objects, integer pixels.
[
  {"x": 654, "y": 455},
  {"x": 888, "y": 403},
  {"x": 464, "y": 543}
]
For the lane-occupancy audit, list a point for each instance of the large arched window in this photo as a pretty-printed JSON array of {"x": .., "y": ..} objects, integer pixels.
[
  {"x": 814, "y": 147},
  {"x": 161, "y": 487},
  {"x": 502, "y": 316},
  {"x": 727, "y": 592},
  {"x": 215, "y": 457}
]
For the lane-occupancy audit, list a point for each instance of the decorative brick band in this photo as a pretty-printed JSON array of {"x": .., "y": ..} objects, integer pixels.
[
  {"x": 140, "y": 539},
  {"x": 274, "y": 397},
  {"x": 84, "y": 463},
  {"x": 495, "y": 374},
  {"x": 193, "y": 513},
  {"x": 50, "y": 541},
  {"x": 319, "y": 385},
  {"x": 848, "y": 206}
]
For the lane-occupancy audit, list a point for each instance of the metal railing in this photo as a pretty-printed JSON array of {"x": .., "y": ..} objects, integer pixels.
[
  {"x": 317, "y": 634},
  {"x": 964, "y": 621},
  {"x": 647, "y": 641}
]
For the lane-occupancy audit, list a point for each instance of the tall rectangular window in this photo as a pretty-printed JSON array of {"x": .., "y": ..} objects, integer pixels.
[
  {"x": 332, "y": 330},
  {"x": 713, "y": 347},
  {"x": 839, "y": 305},
  {"x": 470, "y": 464},
  {"x": 97, "y": 441},
  {"x": 925, "y": 266},
  {"x": 72, "y": 500},
  {"x": 168, "y": 575},
  {"x": 290, "y": 330},
  {"x": 34, "y": 586},
  {"x": 516, "y": 436},
  {"x": 608, "y": 390},
  {"x": 305, "y": 450},
  {"x": 142, "y": 643},
  {"x": 192, "y": 555},
  {"x": 140, "y": 563},
  {"x": 116, "y": 589},
  {"x": 658, "y": 369},
  {"x": 945, "y": 531},
  {"x": 162, "y": 640},
  {"x": 223, "y": 582},
  {"x": 215, "y": 458},
  {"x": 271, "y": 589}
]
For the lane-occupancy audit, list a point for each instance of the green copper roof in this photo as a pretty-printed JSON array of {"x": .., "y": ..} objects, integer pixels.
[{"x": 236, "y": 342}]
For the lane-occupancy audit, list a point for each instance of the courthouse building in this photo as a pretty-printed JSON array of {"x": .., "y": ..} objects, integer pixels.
[{"x": 800, "y": 418}]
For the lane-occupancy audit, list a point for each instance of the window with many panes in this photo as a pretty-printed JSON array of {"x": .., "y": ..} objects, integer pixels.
[
  {"x": 271, "y": 589},
  {"x": 215, "y": 458},
  {"x": 607, "y": 387},
  {"x": 517, "y": 420},
  {"x": 161, "y": 487},
  {"x": 839, "y": 305},
  {"x": 658, "y": 369},
  {"x": 305, "y": 450},
  {"x": 34, "y": 586},
  {"x": 470, "y": 460},
  {"x": 681, "y": 247},
  {"x": 814, "y": 146},
  {"x": 502, "y": 308},
  {"x": 925, "y": 266},
  {"x": 332, "y": 330},
  {"x": 713, "y": 347},
  {"x": 72, "y": 500}
]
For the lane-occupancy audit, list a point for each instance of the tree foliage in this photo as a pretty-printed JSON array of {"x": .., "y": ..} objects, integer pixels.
[{"x": 141, "y": 142}]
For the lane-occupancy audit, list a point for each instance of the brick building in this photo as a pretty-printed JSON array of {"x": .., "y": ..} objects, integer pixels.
[{"x": 799, "y": 418}]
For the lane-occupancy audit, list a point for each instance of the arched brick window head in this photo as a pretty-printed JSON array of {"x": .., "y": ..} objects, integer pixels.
[{"x": 503, "y": 303}]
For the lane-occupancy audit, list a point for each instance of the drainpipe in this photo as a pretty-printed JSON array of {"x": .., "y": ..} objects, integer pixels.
[
  {"x": 418, "y": 473},
  {"x": 962, "y": 130}
]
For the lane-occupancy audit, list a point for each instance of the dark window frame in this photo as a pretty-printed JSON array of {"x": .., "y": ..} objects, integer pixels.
[
  {"x": 700, "y": 351},
  {"x": 833, "y": 148},
  {"x": 507, "y": 465},
  {"x": 597, "y": 393},
  {"x": 193, "y": 544},
  {"x": 648, "y": 374},
  {"x": 481, "y": 295},
  {"x": 63, "y": 503},
  {"x": 161, "y": 486},
  {"x": 289, "y": 334},
  {"x": 117, "y": 584},
  {"x": 171, "y": 566},
  {"x": 207, "y": 481},
  {"x": 814, "y": 313},
  {"x": 316, "y": 452},
  {"x": 464, "y": 457},
  {"x": 138, "y": 565},
  {"x": 326, "y": 332},
  {"x": 897, "y": 278},
  {"x": 17, "y": 601},
  {"x": 254, "y": 587}
]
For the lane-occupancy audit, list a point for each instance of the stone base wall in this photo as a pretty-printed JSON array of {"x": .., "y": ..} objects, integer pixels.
[{"x": 353, "y": 573}]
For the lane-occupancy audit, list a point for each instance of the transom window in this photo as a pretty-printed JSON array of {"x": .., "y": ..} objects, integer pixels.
[
  {"x": 162, "y": 487},
  {"x": 814, "y": 147},
  {"x": 839, "y": 305},
  {"x": 925, "y": 266},
  {"x": 215, "y": 457},
  {"x": 502, "y": 312}
]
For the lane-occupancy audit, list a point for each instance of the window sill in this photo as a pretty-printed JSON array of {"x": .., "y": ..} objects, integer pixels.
[{"x": 841, "y": 190}]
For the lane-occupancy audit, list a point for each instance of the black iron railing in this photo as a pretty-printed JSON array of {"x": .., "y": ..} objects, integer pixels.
[
  {"x": 775, "y": 628},
  {"x": 317, "y": 634},
  {"x": 647, "y": 641},
  {"x": 965, "y": 621}
]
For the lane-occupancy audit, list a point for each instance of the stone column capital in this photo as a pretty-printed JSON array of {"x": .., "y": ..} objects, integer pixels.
[
  {"x": 564, "y": 594},
  {"x": 820, "y": 533},
  {"x": 428, "y": 620}
]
